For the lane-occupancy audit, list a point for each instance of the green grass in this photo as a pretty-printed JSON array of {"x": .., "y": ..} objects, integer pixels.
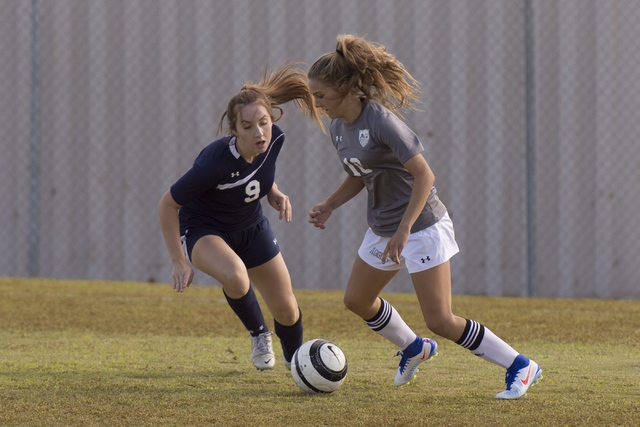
[{"x": 77, "y": 353}]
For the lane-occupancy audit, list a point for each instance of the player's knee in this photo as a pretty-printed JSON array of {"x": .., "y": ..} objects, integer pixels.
[
  {"x": 354, "y": 305},
  {"x": 439, "y": 325},
  {"x": 349, "y": 303},
  {"x": 235, "y": 282},
  {"x": 287, "y": 316}
]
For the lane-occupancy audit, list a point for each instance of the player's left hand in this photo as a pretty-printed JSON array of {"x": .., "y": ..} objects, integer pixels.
[
  {"x": 280, "y": 202},
  {"x": 394, "y": 247}
]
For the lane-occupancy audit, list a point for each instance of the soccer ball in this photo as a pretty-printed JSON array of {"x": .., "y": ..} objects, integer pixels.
[{"x": 319, "y": 366}]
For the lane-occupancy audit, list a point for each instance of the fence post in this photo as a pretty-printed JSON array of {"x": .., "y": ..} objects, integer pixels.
[
  {"x": 530, "y": 142},
  {"x": 34, "y": 153}
]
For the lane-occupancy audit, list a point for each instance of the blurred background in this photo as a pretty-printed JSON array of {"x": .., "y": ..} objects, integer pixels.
[{"x": 530, "y": 122}]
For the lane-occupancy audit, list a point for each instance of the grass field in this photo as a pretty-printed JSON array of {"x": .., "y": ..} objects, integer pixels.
[{"x": 77, "y": 353}]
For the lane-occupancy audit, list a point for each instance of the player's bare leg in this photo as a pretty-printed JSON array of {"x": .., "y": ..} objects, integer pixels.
[
  {"x": 273, "y": 281},
  {"x": 363, "y": 288},
  {"x": 362, "y": 298},
  {"x": 213, "y": 256},
  {"x": 433, "y": 289}
]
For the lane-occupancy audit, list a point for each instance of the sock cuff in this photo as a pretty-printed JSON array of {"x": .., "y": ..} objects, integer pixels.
[
  {"x": 280, "y": 326},
  {"x": 241, "y": 299},
  {"x": 472, "y": 335},
  {"x": 382, "y": 318}
]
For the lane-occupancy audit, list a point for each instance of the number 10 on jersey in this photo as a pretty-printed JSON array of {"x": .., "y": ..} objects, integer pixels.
[{"x": 356, "y": 167}]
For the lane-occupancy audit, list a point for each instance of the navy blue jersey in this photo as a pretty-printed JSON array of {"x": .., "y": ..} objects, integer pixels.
[{"x": 222, "y": 190}]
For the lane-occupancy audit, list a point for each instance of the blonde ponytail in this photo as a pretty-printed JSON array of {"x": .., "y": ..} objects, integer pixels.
[{"x": 366, "y": 69}]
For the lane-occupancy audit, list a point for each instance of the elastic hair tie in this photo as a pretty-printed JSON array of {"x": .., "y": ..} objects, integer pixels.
[{"x": 340, "y": 52}]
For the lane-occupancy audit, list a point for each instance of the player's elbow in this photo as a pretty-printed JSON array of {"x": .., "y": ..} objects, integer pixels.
[{"x": 167, "y": 202}]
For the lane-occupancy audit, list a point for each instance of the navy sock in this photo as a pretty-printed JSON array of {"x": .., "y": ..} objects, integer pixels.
[
  {"x": 248, "y": 310},
  {"x": 290, "y": 337}
]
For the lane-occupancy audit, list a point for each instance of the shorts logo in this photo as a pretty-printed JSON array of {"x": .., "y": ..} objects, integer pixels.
[
  {"x": 376, "y": 253},
  {"x": 424, "y": 260},
  {"x": 275, "y": 241},
  {"x": 363, "y": 136}
]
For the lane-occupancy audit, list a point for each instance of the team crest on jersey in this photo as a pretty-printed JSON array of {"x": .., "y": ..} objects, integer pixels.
[{"x": 363, "y": 136}]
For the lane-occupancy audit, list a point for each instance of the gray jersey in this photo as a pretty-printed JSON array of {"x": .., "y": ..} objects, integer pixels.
[{"x": 375, "y": 147}]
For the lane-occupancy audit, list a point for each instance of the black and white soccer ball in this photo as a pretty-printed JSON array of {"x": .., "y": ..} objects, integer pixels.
[{"x": 319, "y": 366}]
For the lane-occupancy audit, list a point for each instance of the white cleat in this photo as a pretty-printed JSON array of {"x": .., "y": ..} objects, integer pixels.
[
  {"x": 521, "y": 375},
  {"x": 409, "y": 365},
  {"x": 262, "y": 354}
]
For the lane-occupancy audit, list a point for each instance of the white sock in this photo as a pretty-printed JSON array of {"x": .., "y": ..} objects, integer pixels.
[
  {"x": 486, "y": 345},
  {"x": 390, "y": 325}
]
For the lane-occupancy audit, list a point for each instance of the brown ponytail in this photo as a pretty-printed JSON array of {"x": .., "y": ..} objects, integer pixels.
[{"x": 276, "y": 87}]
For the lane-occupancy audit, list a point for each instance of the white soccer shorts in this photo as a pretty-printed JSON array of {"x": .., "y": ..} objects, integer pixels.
[{"x": 425, "y": 249}]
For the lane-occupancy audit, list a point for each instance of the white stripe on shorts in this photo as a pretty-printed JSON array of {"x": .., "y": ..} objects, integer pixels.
[{"x": 183, "y": 239}]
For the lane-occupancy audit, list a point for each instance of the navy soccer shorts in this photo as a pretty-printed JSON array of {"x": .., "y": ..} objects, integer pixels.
[{"x": 255, "y": 246}]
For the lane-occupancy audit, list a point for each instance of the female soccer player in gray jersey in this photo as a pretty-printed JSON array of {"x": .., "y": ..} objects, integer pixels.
[
  {"x": 360, "y": 86},
  {"x": 213, "y": 218}
]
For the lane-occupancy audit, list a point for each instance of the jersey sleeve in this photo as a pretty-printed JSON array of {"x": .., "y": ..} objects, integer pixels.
[
  {"x": 201, "y": 178},
  {"x": 397, "y": 136}
]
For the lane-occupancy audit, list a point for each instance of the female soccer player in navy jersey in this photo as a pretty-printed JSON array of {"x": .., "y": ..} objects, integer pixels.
[
  {"x": 212, "y": 216},
  {"x": 360, "y": 86}
]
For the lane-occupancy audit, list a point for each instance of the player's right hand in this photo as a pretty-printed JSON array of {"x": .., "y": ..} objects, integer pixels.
[
  {"x": 182, "y": 275},
  {"x": 319, "y": 214}
]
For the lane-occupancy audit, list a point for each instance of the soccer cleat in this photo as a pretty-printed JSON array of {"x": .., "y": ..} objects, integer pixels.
[
  {"x": 409, "y": 365},
  {"x": 262, "y": 354},
  {"x": 522, "y": 374}
]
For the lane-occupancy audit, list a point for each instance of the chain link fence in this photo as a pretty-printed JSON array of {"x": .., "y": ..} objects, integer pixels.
[{"x": 530, "y": 122}]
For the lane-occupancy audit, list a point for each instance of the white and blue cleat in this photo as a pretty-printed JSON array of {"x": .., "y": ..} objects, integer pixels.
[
  {"x": 409, "y": 365},
  {"x": 522, "y": 374}
]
